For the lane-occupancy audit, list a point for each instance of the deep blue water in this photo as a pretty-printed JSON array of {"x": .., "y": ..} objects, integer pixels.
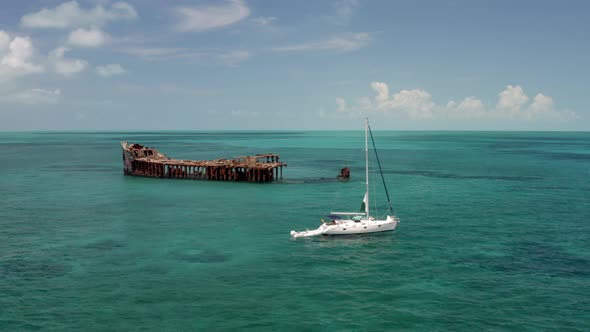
[{"x": 494, "y": 234}]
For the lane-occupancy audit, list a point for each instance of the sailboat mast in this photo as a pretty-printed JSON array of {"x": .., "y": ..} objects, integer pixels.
[{"x": 367, "y": 165}]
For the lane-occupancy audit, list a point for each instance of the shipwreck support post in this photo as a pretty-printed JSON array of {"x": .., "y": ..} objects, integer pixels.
[{"x": 143, "y": 161}]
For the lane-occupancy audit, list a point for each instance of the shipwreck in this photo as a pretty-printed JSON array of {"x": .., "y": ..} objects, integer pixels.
[{"x": 139, "y": 160}]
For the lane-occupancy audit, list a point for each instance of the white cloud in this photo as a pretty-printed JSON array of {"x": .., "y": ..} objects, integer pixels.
[
  {"x": 158, "y": 53},
  {"x": 70, "y": 67},
  {"x": 512, "y": 98},
  {"x": 541, "y": 106},
  {"x": 16, "y": 57},
  {"x": 110, "y": 70},
  {"x": 70, "y": 14},
  {"x": 341, "y": 105},
  {"x": 382, "y": 98},
  {"x": 261, "y": 20},
  {"x": 471, "y": 104},
  {"x": 32, "y": 97},
  {"x": 204, "y": 18},
  {"x": 343, "y": 43},
  {"x": 469, "y": 108},
  {"x": 92, "y": 37},
  {"x": 542, "y": 103},
  {"x": 417, "y": 104},
  {"x": 514, "y": 103},
  {"x": 66, "y": 66},
  {"x": 20, "y": 50}
]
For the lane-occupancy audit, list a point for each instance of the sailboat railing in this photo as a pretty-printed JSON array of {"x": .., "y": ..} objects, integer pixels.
[{"x": 348, "y": 213}]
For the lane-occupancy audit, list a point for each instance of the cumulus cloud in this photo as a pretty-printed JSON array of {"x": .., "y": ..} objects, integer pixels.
[
  {"x": 71, "y": 15},
  {"x": 512, "y": 103},
  {"x": 416, "y": 102},
  {"x": 92, "y": 37},
  {"x": 261, "y": 20},
  {"x": 66, "y": 66},
  {"x": 471, "y": 104},
  {"x": 202, "y": 18},
  {"x": 382, "y": 97},
  {"x": 542, "y": 103},
  {"x": 542, "y": 106},
  {"x": 16, "y": 56},
  {"x": 32, "y": 97},
  {"x": 110, "y": 70},
  {"x": 469, "y": 108},
  {"x": 512, "y": 98},
  {"x": 343, "y": 43},
  {"x": 20, "y": 51}
]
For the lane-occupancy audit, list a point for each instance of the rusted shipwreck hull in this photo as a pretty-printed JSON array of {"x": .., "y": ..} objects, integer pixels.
[{"x": 140, "y": 160}]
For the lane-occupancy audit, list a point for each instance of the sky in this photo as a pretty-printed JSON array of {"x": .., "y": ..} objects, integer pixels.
[{"x": 294, "y": 65}]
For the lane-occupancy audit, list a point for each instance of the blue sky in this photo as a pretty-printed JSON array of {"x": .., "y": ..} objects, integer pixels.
[{"x": 252, "y": 64}]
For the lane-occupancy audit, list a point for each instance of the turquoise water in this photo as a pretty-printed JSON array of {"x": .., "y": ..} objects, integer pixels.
[{"x": 494, "y": 235}]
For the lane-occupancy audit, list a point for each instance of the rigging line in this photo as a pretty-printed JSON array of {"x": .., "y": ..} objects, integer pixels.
[
  {"x": 374, "y": 192},
  {"x": 380, "y": 170}
]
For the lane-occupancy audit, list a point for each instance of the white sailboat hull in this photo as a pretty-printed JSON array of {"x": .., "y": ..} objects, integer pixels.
[
  {"x": 350, "y": 227},
  {"x": 362, "y": 222}
]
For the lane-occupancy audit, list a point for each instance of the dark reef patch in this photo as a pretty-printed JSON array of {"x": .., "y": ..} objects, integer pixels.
[
  {"x": 463, "y": 177},
  {"x": 32, "y": 269},
  {"x": 533, "y": 258},
  {"x": 109, "y": 244},
  {"x": 203, "y": 256},
  {"x": 551, "y": 155}
]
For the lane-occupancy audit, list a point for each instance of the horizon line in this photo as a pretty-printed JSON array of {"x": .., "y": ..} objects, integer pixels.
[{"x": 278, "y": 130}]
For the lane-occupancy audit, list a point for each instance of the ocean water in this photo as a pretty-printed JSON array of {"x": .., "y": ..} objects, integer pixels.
[{"x": 494, "y": 234}]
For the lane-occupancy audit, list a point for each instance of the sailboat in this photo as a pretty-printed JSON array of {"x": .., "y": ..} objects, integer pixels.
[{"x": 348, "y": 223}]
